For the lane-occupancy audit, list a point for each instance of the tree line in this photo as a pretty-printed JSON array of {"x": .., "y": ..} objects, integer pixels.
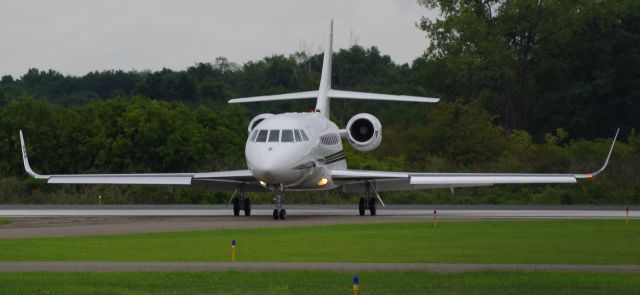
[{"x": 526, "y": 86}]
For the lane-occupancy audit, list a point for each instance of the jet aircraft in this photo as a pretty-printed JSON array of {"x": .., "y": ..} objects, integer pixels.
[{"x": 304, "y": 151}]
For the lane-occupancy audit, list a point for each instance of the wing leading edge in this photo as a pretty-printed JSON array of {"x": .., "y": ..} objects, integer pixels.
[
  {"x": 221, "y": 180},
  {"x": 354, "y": 180}
]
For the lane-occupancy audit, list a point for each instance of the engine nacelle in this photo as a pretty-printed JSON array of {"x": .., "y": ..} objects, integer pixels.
[
  {"x": 256, "y": 120},
  {"x": 364, "y": 132}
]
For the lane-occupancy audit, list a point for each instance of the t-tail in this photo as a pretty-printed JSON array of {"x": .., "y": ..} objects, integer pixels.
[
  {"x": 322, "y": 104},
  {"x": 325, "y": 93}
]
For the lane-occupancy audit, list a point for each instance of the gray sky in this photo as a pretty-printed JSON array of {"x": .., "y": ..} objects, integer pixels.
[{"x": 75, "y": 37}]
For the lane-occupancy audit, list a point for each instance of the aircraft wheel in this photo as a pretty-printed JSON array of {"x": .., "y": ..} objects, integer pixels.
[
  {"x": 247, "y": 207},
  {"x": 275, "y": 214},
  {"x": 361, "y": 207},
  {"x": 283, "y": 214},
  {"x": 372, "y": 206},
  {"x": 236, "y": 207}
]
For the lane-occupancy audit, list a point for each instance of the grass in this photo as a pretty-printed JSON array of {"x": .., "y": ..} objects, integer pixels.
[
  {"x": 571, "y": 242},
  {"x": 320, "y": 282},
  {"x": 3, "y": 221}
]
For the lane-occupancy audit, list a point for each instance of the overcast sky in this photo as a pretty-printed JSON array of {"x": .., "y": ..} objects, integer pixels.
[{"x": 75, "y": 37}]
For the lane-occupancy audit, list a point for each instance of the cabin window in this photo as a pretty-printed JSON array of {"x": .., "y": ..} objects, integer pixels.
[
  {"x": 287, "y": 136},
  {"x": 262, "y": 136},
  {"x": 274, "y": 135},
  {"x": 297, "y": 133}
]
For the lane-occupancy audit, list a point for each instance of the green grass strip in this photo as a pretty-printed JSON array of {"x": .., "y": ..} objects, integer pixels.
[
  {"x": 320, "y": 282},
  {"x": 4, "y": 220},
  {"x": 554, "y": 242}
]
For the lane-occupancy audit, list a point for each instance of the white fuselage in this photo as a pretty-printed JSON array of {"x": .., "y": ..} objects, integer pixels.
[{"x": 296, "y": 150}]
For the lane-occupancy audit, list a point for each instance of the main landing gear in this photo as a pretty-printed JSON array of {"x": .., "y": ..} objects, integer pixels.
[
  {"x": 241, "y": 203},
  {"x": 367, "y": 202},
  {"x": 279, "y": 212}
]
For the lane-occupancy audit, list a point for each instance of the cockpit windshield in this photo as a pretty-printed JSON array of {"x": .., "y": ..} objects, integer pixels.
[
  {"x": 254, "y": 134},
  {"x": 287, "y": 136},
  {"x": 275, "y": 135},
  {"x": 262, "y": 136}
]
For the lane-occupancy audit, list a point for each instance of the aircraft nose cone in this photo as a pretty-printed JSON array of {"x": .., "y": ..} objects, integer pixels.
[{"x": 273, "y": 167}]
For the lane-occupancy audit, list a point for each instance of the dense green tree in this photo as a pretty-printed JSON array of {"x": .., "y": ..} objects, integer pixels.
[
  {"x": 539, "y": 65},
  {"x": 462, "y": 134}
]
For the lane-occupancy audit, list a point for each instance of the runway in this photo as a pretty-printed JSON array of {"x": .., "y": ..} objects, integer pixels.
[
  {"x": 443, "y": 211},
  {"x": 79, "y": 220},
  {"x": 284, "y": 266}
]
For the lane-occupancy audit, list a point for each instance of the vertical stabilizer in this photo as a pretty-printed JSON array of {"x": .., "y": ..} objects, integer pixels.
[
  {"x": 325, "y": 93},
  {"x": 322, "y": 105}
]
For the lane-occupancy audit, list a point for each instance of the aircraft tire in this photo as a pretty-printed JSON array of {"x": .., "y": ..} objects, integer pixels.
[
  {"x": 283, "y": 214},
  {"x": 236, "y": 207},
  {"x": 372, "y": 206},
  {"x": 275, "y": 214},
  {"x": 247, "y": 207},
  {"x": 361, "y": 207}
]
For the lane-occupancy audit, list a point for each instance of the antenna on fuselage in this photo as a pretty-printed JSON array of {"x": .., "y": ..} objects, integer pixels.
[{"x": 322, "y": 105}]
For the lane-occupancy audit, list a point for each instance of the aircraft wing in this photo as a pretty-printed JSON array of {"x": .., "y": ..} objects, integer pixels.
[
  {"x": 355, "y": 180},
  {"x": 221, "y": 180},
  {"x": 417, "y": 181}
]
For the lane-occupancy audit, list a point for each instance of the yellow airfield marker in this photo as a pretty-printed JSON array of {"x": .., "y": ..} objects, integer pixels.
[
  {"x": 435, "y": 219},
  {"x": 356, "y": 285},
  {"x": 233, "y": 250},
  {"x": 626, "y": 216}
]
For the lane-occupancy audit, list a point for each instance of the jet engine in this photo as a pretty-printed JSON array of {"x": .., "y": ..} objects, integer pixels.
[
  {"x": 364, "y": 132},
  {"x": 256, "y": 120}
]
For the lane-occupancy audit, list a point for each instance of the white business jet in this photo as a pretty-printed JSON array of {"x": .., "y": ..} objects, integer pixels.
[{"x": 303, "y": 151}]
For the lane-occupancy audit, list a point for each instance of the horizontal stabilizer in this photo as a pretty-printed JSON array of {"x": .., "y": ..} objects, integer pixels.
[
  {"x": 336, "y": 94},
  {"x": 288, "y": 96},
  {"x": 377, "y": 96}
]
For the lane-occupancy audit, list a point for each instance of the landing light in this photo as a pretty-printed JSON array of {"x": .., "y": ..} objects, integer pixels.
[
  {"x": 322, "y": 181},
  {"x": 263, "y": 184}
]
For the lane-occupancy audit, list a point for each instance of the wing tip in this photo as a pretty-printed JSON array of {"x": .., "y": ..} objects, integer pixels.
[
  {"x": 606, "y": 160},
  {"x": 25, "y": 159}
]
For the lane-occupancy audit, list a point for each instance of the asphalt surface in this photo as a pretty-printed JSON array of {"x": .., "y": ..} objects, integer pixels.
[
  {"x": 282, "y": 266},
  {"x": 443, "y": 211},
  {"x": 78, "y": 220}
]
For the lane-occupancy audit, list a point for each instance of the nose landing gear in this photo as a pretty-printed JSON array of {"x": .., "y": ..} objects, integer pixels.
[{"x": 279, "y": 212}]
